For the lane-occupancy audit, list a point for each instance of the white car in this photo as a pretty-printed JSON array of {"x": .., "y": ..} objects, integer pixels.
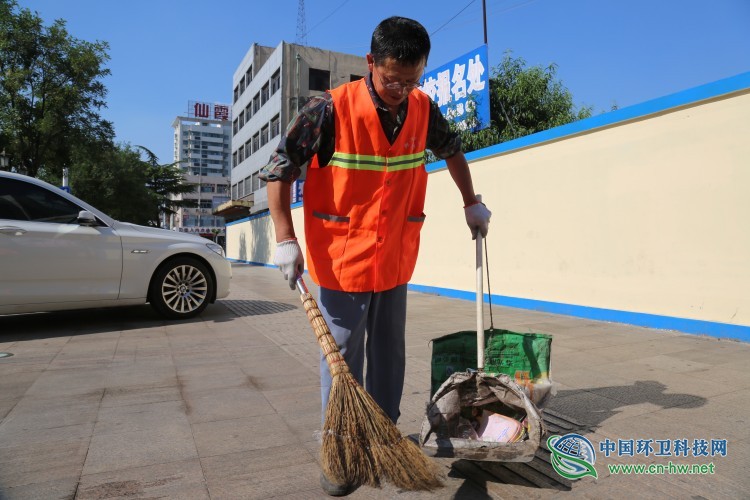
[{"x": 58, "y": 252}]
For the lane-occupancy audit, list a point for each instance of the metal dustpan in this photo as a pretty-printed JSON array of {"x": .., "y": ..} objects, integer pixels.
[{"x": 474, "y": 414}]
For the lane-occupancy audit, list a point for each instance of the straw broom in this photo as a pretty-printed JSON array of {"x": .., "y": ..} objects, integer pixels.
[{"x": 361, "y": 444}]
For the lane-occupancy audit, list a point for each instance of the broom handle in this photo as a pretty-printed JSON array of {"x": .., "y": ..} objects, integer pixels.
[
  {"x": 480, "y": 301},
  {"x": 334, "y": 358}
]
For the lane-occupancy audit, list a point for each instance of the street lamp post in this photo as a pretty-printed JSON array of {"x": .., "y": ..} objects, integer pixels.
[{"x": 4, "y": 160}]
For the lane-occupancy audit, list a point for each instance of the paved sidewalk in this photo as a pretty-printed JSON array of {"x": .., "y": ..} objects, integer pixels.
[{"x": 118, "y": 403}]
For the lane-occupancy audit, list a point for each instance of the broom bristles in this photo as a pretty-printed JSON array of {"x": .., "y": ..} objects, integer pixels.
[{"x": 362, "y": 445}]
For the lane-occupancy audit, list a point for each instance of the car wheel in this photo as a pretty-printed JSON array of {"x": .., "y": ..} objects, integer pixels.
[{"x": 181, "y": 288}]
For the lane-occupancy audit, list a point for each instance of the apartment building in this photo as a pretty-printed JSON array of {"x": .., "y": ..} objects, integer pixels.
[
  {"x": 269, "y": 87},
  {"x": 202, "y": 145}
]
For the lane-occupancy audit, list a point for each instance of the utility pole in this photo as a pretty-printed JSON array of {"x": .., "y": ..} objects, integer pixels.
[
  {"x": 484, "y": 18},
  {"x": 200, "y": 194}
]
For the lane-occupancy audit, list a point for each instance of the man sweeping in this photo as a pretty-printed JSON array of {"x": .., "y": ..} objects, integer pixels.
[{"x": 363, "y": 144}]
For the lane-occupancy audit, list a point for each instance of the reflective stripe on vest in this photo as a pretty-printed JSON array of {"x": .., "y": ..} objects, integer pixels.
[{"x": 377, "y": 163}]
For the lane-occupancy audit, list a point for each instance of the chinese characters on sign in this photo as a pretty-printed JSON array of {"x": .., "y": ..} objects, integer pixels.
[
  {"x": 206, "y": 110},
  {"x": 461, "y": 89},
  {"x": 221, "y": 112},
  {"x": 664, "y": 447}
]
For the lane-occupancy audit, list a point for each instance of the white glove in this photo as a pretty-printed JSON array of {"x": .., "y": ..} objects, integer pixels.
[
  {"x": 290, "y": 261},
  {"x": 478, "y": 219}
]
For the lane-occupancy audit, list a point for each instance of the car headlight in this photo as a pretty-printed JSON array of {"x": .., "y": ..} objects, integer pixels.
[{"x": 216, "y": 248}]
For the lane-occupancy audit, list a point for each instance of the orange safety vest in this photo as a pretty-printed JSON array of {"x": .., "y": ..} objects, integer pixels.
[{"x": 364, "y": 210}]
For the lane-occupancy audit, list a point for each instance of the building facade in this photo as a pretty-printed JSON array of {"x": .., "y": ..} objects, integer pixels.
[
  {"x": 270, "y": 85},
  {"x": 202, "y": 145}
]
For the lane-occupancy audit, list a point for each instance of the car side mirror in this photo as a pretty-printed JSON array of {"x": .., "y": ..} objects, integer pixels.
[{"x": 86, "y": 218}]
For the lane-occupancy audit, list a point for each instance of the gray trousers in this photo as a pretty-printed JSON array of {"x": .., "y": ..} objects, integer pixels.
[{"x": 368, "y": 325}]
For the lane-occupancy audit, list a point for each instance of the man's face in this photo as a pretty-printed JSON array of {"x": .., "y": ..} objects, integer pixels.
[{"x": 393, "y": 80}]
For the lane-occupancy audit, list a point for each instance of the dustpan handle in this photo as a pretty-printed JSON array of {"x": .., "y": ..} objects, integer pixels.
[{"x": 480, "y": 300}]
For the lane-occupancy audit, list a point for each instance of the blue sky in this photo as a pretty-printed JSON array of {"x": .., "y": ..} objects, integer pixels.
[{"x": 165, "y": 53}]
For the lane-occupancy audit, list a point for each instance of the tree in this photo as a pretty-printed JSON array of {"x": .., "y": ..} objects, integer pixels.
[
  {"x": 121, "y": 183},
  {"x": 523, "y": 101},
  {"x": 166, "y": 182},
  {"x": 51, "y": 92},
  {"x": 115, "y": 181}
]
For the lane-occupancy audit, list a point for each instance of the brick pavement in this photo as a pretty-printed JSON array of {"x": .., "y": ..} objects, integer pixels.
[{"x": 118, "y": 403}]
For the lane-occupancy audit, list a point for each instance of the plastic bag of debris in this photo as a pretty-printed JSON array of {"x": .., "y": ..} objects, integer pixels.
[{"x": 476, "y": 416}]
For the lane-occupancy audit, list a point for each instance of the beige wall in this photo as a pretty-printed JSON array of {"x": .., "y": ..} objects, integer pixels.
[{"x": 646, "y": 216}]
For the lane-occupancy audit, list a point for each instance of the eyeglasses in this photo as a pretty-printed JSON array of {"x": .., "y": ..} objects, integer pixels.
[{"x": 397, "y": 85}]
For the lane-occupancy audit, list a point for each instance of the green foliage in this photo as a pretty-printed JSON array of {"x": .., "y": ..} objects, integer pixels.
[
  {"x": 523, "y": 100},
  {"x": 528, "y": 100},
  {"x": 114, "y": 181},
  {"x": 166, "y": 181},
  {"x": 51, "y": 91},
  {"x": 119, "y": 182}
]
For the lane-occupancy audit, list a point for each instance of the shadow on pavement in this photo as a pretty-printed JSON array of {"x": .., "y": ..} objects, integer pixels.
[
  {"x": 32, "y": 326},
  {"x": 596, "y": 405},
  {"x": 256, "y": 307}
]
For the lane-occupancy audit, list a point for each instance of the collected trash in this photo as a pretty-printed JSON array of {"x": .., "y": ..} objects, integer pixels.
[
  {"x": 492, "y": 427},
  {"x": 481, "y": 417},
  {"x": 486, "y": 390}
]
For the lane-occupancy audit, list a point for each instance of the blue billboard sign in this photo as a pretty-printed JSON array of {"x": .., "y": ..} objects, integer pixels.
[{"x": 462, "y": 89}]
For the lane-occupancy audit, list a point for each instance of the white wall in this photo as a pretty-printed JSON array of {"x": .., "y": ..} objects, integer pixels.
[{"x": 647, "y": 215}]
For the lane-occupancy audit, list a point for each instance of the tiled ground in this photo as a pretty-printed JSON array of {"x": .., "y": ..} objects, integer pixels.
[{"x": 120, "y": 404}]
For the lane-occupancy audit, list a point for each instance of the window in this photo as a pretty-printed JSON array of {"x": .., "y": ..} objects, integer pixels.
[
  {"x": 248, "y": 112},
  {"x": 275, "y": 126},
  {"x": 234, "y": 127},
  {"x": 242, "y": 85},
  {"x": 234, "y": 159},
  {"x": 264, "y": 136},
  {"x": 255, "y": 181},
  {"x": 275, "y": 81},
  {"x": 248, "y": 147},
  {"x": 256, "y": 142},
  {"x": 264, "y": 94},
  {"x": 20, "y": 200},
  {"x": 241, "y": 154},
  {"x": 320, "y": 79},
  {"x": 256, "y": 103},
  {"x": 236, "y": 93},
  {"x": 234, "y": 191},
  {"x": 249, "y": 75},
  {"x": 242, "y": 120}
]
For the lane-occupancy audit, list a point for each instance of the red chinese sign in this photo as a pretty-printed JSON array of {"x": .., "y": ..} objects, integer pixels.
[
  {"x": 207, "y": 110},
  {"x": 221, "y": 112},
  {"x": 201, "y": 109}
]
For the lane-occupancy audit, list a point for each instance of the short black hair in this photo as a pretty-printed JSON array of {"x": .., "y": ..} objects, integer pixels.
[{"x": 402, "y": 39}]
